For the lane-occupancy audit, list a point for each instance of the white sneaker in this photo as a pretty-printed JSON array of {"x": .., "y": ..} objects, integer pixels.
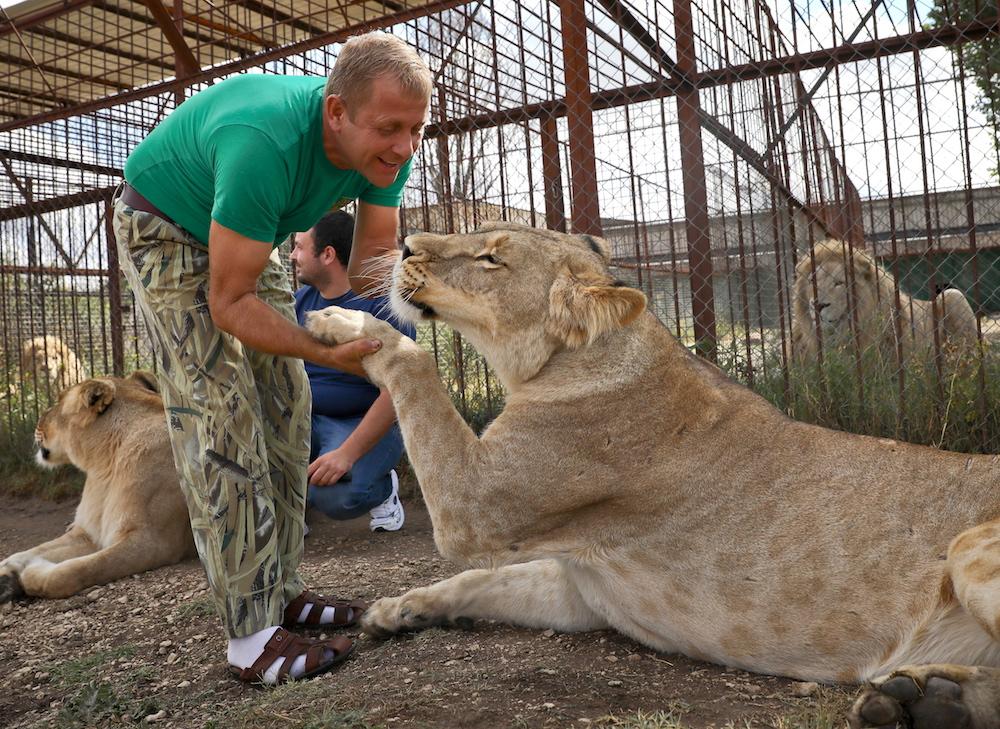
[{"x": 388, "y": 516}]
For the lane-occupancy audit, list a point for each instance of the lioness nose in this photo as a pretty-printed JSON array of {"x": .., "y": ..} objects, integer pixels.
[{"x": 406, "y": 252}]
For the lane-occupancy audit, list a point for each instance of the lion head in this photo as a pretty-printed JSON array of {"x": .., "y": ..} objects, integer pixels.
[
  {"x": 854, "y": 302},
  {"x": 90, "y": 418},
  {"x": 846, "y": 295},
  {"x": 50, "y": 361},
  {"x": 518, "y": 294}
]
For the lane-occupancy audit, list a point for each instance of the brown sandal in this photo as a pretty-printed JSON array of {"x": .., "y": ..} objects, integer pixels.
[
  {"x": 290, "y": 646},
  {"x": 345, "y": 612}
]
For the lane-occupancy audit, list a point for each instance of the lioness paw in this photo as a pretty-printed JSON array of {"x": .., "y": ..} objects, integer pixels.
[
  {"x": 337, "y": 326},
  {"x": 929, "y": 697},
  {"x": 10, "y": 587},
  {"x": 392, "y": 615}
]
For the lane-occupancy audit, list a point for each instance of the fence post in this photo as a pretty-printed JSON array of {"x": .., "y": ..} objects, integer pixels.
[
  {"x": 585, "y": 215},
  {"x": 114, "y": 292},
  {"x": 555, "y": 211},
  {"x": 695, "y": 192}
]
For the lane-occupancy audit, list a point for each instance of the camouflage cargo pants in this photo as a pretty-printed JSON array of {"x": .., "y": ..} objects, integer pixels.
[{"x": 238, "y": 420}]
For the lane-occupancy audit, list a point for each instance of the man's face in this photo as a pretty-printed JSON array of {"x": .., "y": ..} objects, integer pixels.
[
  {"x": 378, "y": 136},
  {"x": 308, "y": 266}
]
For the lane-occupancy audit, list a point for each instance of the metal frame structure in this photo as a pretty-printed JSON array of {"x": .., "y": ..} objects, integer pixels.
[{"x": 710, "y": 140}]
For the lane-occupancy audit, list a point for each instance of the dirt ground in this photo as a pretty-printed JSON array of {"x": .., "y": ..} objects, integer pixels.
[{"x": 148, "y": 650}]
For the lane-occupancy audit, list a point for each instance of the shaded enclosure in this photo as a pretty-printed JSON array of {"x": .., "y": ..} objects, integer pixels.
[{"x": 712, "y": 143}]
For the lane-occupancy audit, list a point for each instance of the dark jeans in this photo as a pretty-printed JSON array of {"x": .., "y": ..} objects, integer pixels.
[{"x": 367, "y": 484}]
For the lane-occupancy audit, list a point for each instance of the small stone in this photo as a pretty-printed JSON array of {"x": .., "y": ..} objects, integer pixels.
[
  {"x": 407, "y": 680},
  {"x": 123, "y": 599},
  {"x": 41, "y": 676},
  {"x": 165, "y": 644},
  {"x": 548, "y": 633},
  {"x": 614, "y": 682},
  {"x": 172, "y": 658},
  {"x": 94, "y": 594},
  {"x": 548, "y": 671},
  {"x": 183, "y": 684},
  {"x": 633, "y": 657},
  {"x": 611, "y": 659},
  {"x": 158, "y": 716},
  {"x": 804, "y": 689},
  {"x": 548, "y": 705}
]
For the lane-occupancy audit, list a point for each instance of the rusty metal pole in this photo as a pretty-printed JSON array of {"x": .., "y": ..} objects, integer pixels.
[
  {"x": 114, "y": 293},
  {"x": 180, "y": 92},
  {"x": 585, "y": 215},
  {"x": 555, "y": 207},
  {"x": 695, "y": 192}
]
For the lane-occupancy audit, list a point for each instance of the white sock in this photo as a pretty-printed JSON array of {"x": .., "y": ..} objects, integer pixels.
[
  {"x": 325, "y": 618},
  {"x": 243, "y": 652}
]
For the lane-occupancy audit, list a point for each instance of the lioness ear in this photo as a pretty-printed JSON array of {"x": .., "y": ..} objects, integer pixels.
[
  {"x": 145, "y": 379},
  {"x": 93, "y": 398},
  {"x": 585, "y": 306},
  {"x": 597, "y": 245}
]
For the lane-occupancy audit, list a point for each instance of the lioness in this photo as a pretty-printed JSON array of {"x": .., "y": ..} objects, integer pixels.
[
  {"x": 132, "y": 516},
  {"x": 629, "y": 484}
]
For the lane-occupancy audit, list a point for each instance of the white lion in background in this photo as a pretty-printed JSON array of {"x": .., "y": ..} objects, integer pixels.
[
  {"x": 854, "y": 304},
  {"x": 51, "y": 362}
]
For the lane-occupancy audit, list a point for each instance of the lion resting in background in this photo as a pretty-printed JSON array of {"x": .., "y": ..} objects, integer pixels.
[
  {"x": 856, "y": 298},
  {"x": 51, "y": 362},
  {"x": 132, "y": 516},
  {"x": 628, "y": 484}
]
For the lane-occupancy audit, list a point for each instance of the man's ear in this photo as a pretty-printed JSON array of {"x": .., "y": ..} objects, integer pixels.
[
  {"x": 335, "y": 110},
  {"x": 582, "y": 307}
]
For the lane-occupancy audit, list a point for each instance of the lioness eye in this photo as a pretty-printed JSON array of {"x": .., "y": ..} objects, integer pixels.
[{"x": 489, "y": 258}]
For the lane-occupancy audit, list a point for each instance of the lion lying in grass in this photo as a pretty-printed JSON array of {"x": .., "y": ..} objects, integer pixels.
[
  {"x": 630, "y": 485},
  {"x": 132, "y": 516},
  {"x": 854, "y": 304}
]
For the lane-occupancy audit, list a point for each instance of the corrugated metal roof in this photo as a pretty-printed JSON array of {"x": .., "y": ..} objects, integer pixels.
[{"x": 59, "y": 55}]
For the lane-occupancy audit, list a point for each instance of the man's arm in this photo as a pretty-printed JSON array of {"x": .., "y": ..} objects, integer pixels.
[
  {"x": 376, "y": 230},
  {"x": 235, "y": 262},
  {"x": 331, "y": 466}
]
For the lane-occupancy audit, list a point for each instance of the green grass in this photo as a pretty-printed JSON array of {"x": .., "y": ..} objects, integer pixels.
[
  {"x": 296, "y": 705},
  {"x": 952, "y": 404},
  {"x": 202, "y": 607},
  {"x": 669, "y": 719}
]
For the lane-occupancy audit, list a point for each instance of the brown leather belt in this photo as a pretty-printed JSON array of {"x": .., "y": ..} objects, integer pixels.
[{"x": 132, "y": 198}]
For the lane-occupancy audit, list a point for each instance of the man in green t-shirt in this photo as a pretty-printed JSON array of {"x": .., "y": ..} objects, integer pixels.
[{"x": 208, "y": 196}]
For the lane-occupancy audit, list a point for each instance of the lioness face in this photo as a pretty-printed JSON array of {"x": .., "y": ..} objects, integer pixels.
[
  {"x": 506, "y": 282},
  {"x": 59, "y": 427}
]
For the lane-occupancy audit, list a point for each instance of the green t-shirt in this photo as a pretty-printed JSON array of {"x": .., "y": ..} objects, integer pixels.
[{"x": 248, "y": 153}]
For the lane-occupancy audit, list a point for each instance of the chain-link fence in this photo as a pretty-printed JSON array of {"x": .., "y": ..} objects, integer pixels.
[{"x": 716, "y": 145}]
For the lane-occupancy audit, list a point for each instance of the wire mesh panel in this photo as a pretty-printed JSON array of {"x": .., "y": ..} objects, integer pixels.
[{"x": 717, "y": 145}]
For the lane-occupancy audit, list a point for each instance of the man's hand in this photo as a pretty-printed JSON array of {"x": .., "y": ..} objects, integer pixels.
[
  {"x": 347, "y": 357},
  {"x": 330, "y": 467}
]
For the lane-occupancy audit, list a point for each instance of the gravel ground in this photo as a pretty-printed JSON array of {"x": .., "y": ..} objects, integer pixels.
[{"x": 148, "y": 650}]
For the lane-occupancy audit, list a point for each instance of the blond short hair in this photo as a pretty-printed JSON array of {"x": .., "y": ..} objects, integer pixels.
[{"x": 367, "y": 57}]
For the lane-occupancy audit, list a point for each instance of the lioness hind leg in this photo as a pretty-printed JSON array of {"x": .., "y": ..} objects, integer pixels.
[
  {"x": 934, "y": 696},
  {"x": 974, "y": 569},
  {"x": 535, "y": 594}
]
